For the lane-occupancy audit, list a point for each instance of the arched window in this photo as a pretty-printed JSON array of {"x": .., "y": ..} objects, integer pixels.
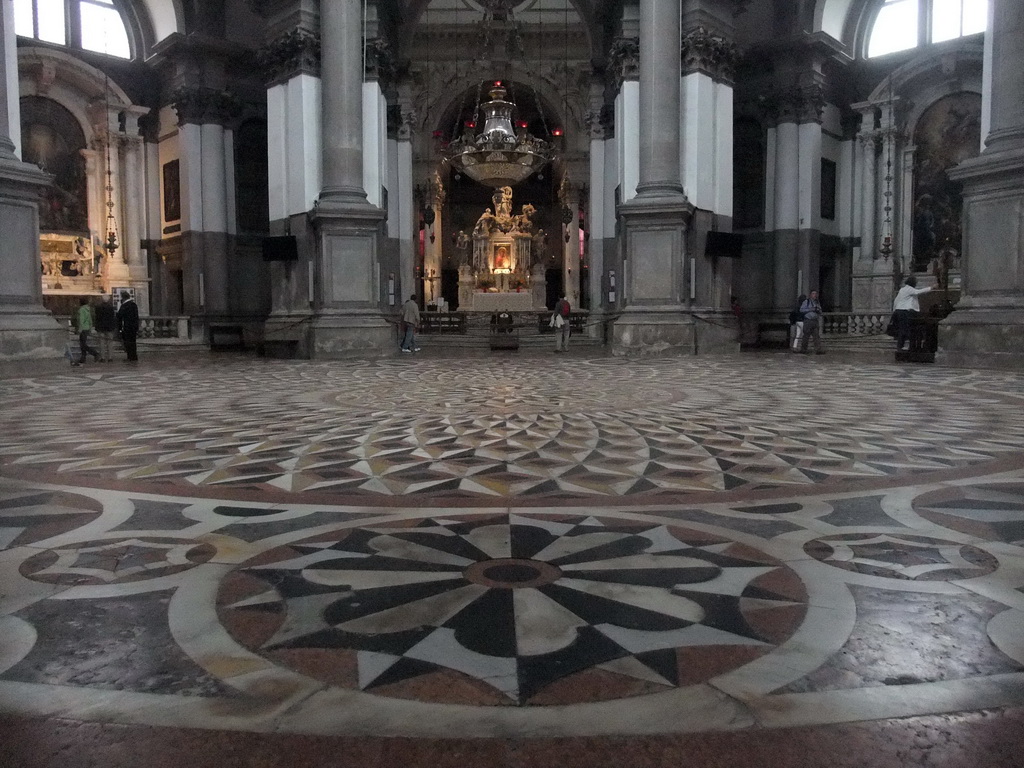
[
  {"x": 92, "y": 25},
  {"x": 903, "y": 24}
]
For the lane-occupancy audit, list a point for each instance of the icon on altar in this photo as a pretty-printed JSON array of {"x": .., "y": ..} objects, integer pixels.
[{"x": 502, "y": 262}]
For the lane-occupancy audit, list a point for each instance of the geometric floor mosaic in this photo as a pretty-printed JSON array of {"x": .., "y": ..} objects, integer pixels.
[
  {"x": 415, "y": 548},
  {"x": 493, "y": 429}
]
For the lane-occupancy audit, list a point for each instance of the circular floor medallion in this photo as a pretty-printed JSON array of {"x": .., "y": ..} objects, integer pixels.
[{"x": 521, "y": 610}]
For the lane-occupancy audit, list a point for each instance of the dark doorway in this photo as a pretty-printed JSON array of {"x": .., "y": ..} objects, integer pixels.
[
  {"x": 450, "y": 287},
  {"x": 555, "y": 286}
]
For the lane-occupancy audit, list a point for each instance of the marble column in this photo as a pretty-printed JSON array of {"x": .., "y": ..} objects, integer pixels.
[
  {"x": 655, "y": 318},
  {"x": 348, "y": 315},
  {"x": 26, "y": 329},
  {"x": 987, "y": 327},
  {"x": 341, "y": 62}
]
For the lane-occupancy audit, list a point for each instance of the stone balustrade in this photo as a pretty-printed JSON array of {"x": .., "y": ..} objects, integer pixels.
[{"x": 854, "y": 323}]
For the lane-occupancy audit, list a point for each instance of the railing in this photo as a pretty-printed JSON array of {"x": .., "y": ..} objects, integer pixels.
[
  {"x": 854, "y": 323},
  {"x": 577, "y": 322},
  {"x": 164, "y": 327},
  {"x": 443, "y": 322},
  {"x": 159, "y": 327}
]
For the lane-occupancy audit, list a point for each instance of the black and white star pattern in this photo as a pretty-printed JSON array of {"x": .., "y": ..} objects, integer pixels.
[{"x": 516, "y": 602}]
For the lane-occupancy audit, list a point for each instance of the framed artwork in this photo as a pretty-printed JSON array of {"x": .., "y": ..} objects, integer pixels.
[{"x": 172, "y": 191}]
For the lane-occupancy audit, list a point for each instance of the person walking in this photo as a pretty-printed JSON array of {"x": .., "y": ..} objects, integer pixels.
[
  {"x": 128, "y": 323},
  {"x": 410, "y": 323},
  {"x": 796, "y": 322},
  {"x": 106, "y": 326},
  {"x": 560, "y": 322},
  {"x": 905, "y": 308},
  {"x": 811, "y": 310},
  {"x": 85, "y": 326}
]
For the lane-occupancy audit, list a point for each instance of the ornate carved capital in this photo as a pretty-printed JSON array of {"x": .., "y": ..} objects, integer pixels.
[
  {"x": 797, "y": 104},
  {"x": 624, "y": 59},
  {"x": 702, "y": 51},
  {"x": 381, "y": 64},
  {"x": 601, "y": 122},
  {"x": 205, "y": 105},
  {"x": 293, "y": 53}
]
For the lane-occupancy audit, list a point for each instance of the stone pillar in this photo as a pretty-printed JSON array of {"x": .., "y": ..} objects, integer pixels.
[
  {"x": 202, "y": 113},
  {"x": 600, "y": 191},
  {"x": 796, "y": 191},
  {"x": 407, "y": 213},
  {"x": 709, "y": 57},
  {"x": 872, "y": 275},
  {"x": 987, "y": 327},
  {"x": 347, "y": 294},
  {"x": 571, "y": 247},
  {"x": 655, "y": 317},
  {"x": 26, "y": 329}
]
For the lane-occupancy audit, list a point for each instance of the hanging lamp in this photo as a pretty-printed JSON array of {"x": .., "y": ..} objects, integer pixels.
[{"x": 499, "y": 155}]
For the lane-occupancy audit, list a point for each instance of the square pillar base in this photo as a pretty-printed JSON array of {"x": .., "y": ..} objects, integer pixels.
[
  {"x": 982, "y": 338},
  {"x": 653, "y": 333},
  {"x": 27, "y": 330},
  {"x": 348, "y": 317},
  {"x": 656, "y": 319}
]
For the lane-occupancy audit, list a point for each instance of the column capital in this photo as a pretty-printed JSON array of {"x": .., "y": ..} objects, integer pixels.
[
  {"x": 703, "y": 51},
  {"x": 793, "y": 104},
  {"x": 296, "y": 52},
  {"x": 381, "y": 63},
  {"x": 624, "y": 60},
  {"x": 199, "y": 105}
]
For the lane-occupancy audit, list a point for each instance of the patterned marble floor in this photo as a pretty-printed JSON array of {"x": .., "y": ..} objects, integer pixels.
[{"x": 491, "y": 549}]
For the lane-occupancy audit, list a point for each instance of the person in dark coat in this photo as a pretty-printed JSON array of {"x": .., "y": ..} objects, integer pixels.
[
  {"x": 106, "y": 327},
  {"x": 128, "y": 324}
]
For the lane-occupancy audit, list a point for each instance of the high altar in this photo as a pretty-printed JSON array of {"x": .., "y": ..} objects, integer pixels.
[{"x": 499, "y": 277}]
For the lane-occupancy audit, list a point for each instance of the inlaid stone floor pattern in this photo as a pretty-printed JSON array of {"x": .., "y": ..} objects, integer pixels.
[{"x": 418, "y": 548}]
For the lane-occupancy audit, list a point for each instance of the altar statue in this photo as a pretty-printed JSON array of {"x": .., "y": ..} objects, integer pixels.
[{"x": 502, "y": 199}]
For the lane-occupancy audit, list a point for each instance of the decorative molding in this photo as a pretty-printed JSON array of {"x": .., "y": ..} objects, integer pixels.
[
  {"x": 703, "y": 51},
  {"x": 296, "y": 52},
  {"x": 624, "y": 59},
  {"x": 197, "y": 104}
]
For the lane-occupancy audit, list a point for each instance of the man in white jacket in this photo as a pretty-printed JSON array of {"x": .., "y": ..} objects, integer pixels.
[{"x": 905, "y": 307}]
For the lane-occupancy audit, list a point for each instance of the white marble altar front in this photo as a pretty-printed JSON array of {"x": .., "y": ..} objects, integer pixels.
[{"x": 513, "y": 301}]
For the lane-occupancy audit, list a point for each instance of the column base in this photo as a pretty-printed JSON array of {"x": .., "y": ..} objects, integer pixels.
[
  {"x": 717, "y": 332},
  {"x": 30, "y": 334},
  {"x": 982, "y": 338},
  {"x": 336, "y": 335},
  {"x": 653, "y": 332},
  {"x": 27, "y": 330}
]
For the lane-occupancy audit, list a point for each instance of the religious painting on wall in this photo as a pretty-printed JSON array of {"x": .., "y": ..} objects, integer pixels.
[
  {"x": 948, "y": 133},
  {"x": 172, "y": 191},
  {"x": 53, "y": 140}
]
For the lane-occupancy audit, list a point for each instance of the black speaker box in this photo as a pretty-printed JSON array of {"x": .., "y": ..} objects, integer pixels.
[{"x": 280, "y": 248}]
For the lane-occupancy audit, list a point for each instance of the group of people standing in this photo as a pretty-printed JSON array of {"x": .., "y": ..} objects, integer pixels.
[
  {"x": 806, "y": 321},
  {"x": 805, "y": 318},
  {"x": 106, "y": 321}
]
